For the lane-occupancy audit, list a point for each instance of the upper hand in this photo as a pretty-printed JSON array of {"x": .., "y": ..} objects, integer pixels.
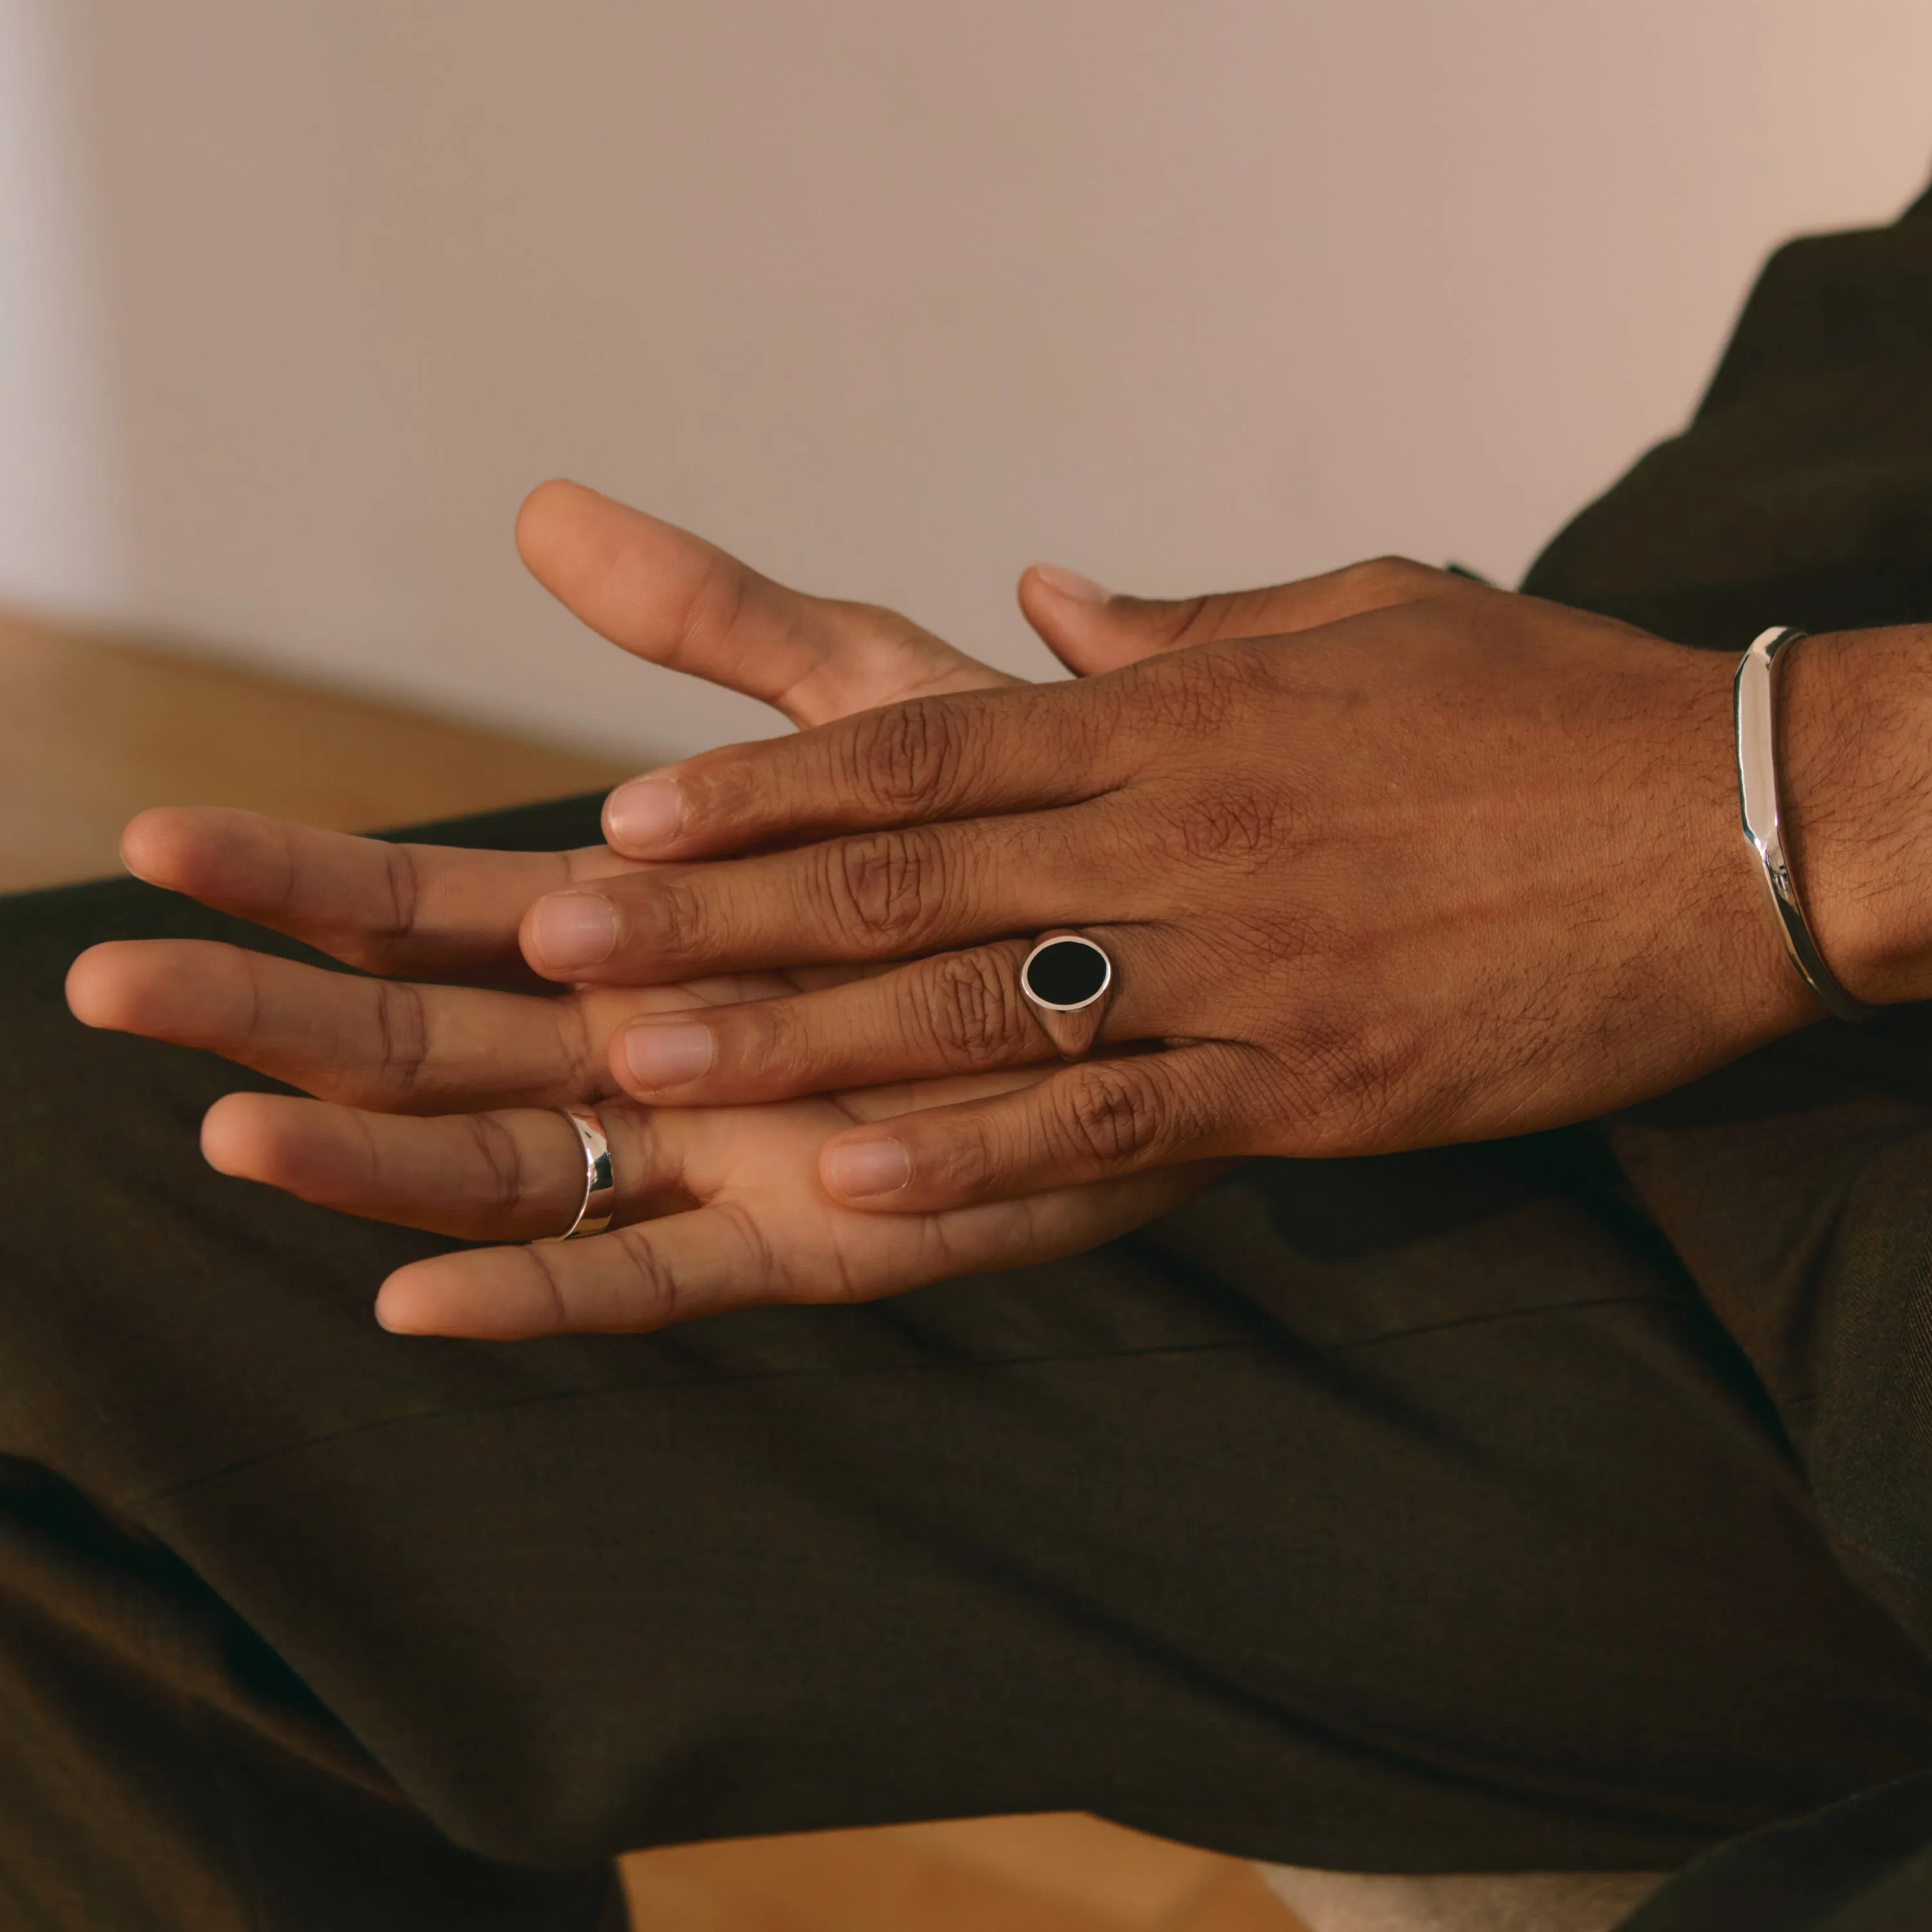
[{"x": 1457, "y": 864}]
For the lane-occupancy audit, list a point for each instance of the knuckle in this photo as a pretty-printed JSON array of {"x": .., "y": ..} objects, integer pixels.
[
  {"x": 880, "y": 624},
  {"x": 543, "y": 1261},
  {"x": 501, "y": 1169},
  {"x": 906, "y": 757},
  {"x": 1238, "y": 823},
  {"x": 1111, "y": 1112},
  {"x": 1241, "y": 614},
  {"x": 377, "y": 945},
  {"x": 1377, "y": 581},
  {"x": 733, "y": 787},
  {"x": 970, "y": 1158},
  {"x": 767, "y": 1043},
  {"x": 761, "y": 1259},
  {"x": 1343, "y": 1081},
  {"x": 1235, "y": 615},
  {"x": 236, "y": 978},
  {"x": 402, "y": 1037},
  {"x": 711, "y": 609},
  {"x": 969, "y": 1002},
  {"x": 668, "y": 917},
  {"x": 889, "y": 887},
  {"x": 580, "y": 1049},
  {"x": 1189, "y": 620},
  {"x": 652, "y": 1298},
  {"x": 1197, "y": 694},
  {"x": 403, "y": 879}
]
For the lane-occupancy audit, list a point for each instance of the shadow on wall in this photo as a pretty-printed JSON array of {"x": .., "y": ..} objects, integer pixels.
[{"x": 891, "y": 300}]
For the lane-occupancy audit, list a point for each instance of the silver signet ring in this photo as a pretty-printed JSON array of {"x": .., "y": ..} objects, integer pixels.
[
  {"x": 1068, "y": 980},
  {"x": 600, "y": 1191}
]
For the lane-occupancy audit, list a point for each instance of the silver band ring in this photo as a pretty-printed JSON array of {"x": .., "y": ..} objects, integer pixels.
[
  {"x": 600, "y": 1190},
  {"x": 1068, "y": 981}
]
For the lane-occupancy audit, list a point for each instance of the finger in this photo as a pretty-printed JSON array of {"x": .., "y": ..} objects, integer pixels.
[
  {"x": 666, "y": 595},
  {"x": 513, "y": 1174},
  {"x": 631, "y": 1278},
  {"x": 429, "y": 912},
  {"x": 892, "y": 895},
  {"x": 718, "y": 1258},
  {"x": 1091, "y": 629},
  {"x": 971, "y": 753},
  {"x": 956, "y": 1012},
  {"x": 1095, "y": 1121},
  {"x": 384, "y": 1043}
]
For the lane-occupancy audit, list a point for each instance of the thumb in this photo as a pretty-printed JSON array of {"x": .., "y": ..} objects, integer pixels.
[
  {"x": 1091, "y": 629},
  {"x": 665, "y": 594}
]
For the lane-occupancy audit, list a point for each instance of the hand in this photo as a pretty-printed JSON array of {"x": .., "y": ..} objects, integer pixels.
[
  {"x": 434, "y": 1101},
  {"x": 717, "y": 1207},
  {"x": 1461, "y": 864}
]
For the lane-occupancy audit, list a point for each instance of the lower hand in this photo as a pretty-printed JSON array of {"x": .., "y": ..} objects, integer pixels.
[{"x": 432, "y": 1101}]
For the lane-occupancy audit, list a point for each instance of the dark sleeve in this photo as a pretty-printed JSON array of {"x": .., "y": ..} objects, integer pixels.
[
  {"x": 1796, "y": 1185},
  {"x": 1802, "y": 491}
]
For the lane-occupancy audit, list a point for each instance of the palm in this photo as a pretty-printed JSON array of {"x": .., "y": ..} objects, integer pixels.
[{"x": 762, "y": 1216}]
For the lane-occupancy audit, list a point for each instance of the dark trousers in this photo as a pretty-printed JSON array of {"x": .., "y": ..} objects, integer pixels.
[
  {"x": 1554, "y": 1503},
  {"x": 1413, "y": 1513}
]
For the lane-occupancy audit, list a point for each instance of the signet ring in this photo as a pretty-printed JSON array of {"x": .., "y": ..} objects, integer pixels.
[{"x": 1068, "y": 981}]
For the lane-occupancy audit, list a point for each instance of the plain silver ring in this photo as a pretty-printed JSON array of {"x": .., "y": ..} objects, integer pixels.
[{"x": 600, "y": 1190}]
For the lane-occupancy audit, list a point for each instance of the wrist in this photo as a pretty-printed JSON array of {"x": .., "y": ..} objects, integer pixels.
[{"x": 1855, "y": 753}]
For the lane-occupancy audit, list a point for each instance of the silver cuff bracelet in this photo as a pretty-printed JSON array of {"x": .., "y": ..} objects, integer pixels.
[{"x": 1754, "y": 692}]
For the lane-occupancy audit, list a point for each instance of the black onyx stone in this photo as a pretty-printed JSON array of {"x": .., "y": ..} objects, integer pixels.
[{"x": 1066, "y": 972}]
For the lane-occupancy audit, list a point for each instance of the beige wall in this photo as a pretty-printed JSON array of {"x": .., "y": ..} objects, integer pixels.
[{"x": 296, "y": 299}]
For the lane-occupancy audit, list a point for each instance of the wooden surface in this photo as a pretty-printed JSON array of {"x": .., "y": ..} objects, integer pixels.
[
  {"x": 92, "y": 731},
  {"x": 1060, "y": 1873}
]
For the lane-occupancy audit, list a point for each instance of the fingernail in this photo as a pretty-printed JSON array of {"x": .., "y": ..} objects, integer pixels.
[
  {"x": 642, "y": 814},
  {"x": 574, "y": 929},
  {"x": 667, "y": 1056},
  {"x": 862, "y": 1168},
  {"x": 1071, "y": 584}
]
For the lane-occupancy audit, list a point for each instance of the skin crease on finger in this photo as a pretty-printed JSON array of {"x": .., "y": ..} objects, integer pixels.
[{"x": 1466, "y": 866}]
